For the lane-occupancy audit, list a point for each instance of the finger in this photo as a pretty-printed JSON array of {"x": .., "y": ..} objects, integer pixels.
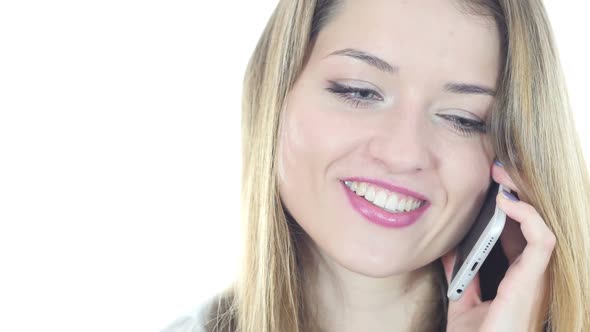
[
  {"x": 512, "y": 240},
  {"x": 500, "y": 175},
  {"x": 540, "y": 240},
  {"x": 471, "y": 295}
]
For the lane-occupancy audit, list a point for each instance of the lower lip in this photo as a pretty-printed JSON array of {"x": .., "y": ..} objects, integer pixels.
[{"x": 381, "y": 217}]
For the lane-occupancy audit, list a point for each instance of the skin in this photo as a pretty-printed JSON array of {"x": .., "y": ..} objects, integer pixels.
[{"x": 367, "y": 277}]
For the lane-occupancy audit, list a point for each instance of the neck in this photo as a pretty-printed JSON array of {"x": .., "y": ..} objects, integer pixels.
[{"x": 344, "y": 301}]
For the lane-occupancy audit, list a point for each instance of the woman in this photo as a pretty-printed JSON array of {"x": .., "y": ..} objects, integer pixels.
[{"x": 415, "y": 99}]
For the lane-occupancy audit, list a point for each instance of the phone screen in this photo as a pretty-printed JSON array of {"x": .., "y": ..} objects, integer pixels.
[{"x": 482, "y": 220}]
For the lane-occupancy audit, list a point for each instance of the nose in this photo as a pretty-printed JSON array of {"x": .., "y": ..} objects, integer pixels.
[{"x": 401, "y": 142}]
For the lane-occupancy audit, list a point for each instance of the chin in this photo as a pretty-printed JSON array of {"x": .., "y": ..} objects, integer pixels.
[{"x": 376, "y": 266}]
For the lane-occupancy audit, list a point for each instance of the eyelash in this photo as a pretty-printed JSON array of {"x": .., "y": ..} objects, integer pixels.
[
  {"x": 344, "y": 92},
  {"x": 464, "y": 126}
]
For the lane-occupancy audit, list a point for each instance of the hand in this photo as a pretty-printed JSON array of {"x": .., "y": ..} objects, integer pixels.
[{"x": 518, "y": 304}]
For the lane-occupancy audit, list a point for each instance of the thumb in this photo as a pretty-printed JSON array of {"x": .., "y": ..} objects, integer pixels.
[{"x": 471, "y": 295}]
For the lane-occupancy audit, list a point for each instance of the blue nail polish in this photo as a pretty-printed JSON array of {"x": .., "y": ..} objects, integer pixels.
[
  {"x": 497, "y": 162},
  {"x": 510, "y": 196}
]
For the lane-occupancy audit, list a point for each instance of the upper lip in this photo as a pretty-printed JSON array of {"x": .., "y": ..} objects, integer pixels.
[{"x": 389, "y": 186}]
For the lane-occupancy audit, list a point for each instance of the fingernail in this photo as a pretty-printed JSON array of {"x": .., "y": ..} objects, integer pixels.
[
  {"x": 497, "y": 162},
  {"x": 510, "y": 196}
]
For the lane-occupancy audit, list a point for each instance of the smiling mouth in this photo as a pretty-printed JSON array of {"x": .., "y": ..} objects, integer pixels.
[{"x": 384, "y": 199}]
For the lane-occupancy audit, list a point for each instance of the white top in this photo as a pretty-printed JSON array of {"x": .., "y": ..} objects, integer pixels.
[{"x": 192, "y": 322}]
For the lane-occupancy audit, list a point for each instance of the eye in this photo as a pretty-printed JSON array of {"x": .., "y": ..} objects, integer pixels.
[
  {"x": 357, "y": 97},
  {"x": 465, "y": 126}
]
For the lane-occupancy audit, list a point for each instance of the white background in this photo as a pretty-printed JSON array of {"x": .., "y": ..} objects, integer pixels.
[{"x": 120, "y": 154}]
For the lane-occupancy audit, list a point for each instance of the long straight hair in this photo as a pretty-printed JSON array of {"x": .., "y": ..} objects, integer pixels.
[{"x": 533, "y": 135}]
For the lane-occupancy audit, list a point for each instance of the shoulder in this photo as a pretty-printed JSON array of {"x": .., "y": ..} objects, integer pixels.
[{"x": 193, "y": 321}]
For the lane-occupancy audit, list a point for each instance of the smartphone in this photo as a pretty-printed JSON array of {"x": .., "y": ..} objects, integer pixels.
[{"x": 477, "y": 244}]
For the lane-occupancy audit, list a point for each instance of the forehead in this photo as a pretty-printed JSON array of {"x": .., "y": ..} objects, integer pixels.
[{"x": 419, "y": 36}]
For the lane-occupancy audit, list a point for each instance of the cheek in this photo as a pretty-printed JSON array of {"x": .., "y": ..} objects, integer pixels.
[
  {"x": 313, "y": 138},
  {"x": 466, "y": 178},
  {"x": 313, "y": 135},
  {"x": 305, "y": 148},
  {"x": 301, "y": 149},
  {"x": 296, "y": 153},
  {"x": 465, "y": 167}
]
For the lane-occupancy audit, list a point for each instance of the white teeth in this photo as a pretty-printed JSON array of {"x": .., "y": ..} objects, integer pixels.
[
  {"x": 370, "y": 195},
  {"x": 391, "y": 203},
  {"x": 380, "y": 198},
  {"x": 402, "y": 205},
  {"x": 362, "y": 189},
  {"x": 408, "y": 205}
]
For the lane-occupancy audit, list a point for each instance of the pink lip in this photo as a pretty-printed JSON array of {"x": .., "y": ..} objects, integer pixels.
[{"x": 379, "y": 216}]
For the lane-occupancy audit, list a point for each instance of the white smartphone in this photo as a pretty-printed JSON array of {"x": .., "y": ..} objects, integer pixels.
[{"x": 477, "y": 244}]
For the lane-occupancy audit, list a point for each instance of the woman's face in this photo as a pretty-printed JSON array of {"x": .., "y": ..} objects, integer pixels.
[{"x": 413, "y": 123}]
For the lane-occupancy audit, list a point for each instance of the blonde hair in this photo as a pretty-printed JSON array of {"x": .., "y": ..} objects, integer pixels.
[{"x": 533, "y": 135}]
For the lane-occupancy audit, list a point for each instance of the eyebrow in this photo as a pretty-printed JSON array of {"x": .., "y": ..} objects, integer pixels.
[
  {"x": 367, "y": 58},
  {"x": 464, "y": 88},
  {"x": 375, "y": 61}
]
